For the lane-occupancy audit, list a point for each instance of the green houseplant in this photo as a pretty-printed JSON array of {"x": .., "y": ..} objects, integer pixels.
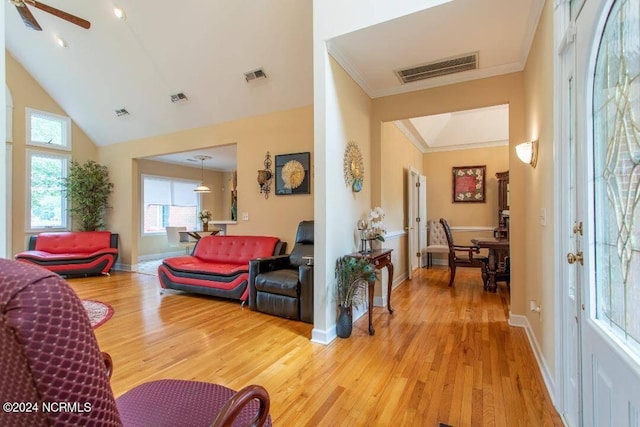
[
  {"x": 88, "y": 188},
  {"x": 352, "y": 279}
]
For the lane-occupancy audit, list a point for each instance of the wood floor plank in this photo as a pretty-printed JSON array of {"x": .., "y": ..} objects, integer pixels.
[{"x": 446, "y": 354}]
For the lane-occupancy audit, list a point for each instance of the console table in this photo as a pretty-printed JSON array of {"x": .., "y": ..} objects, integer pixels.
[{"x": 380, "y": 258}]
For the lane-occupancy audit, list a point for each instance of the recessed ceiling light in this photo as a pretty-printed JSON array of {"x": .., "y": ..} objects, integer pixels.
[
  {"x": 61, "y": 42},
  {"x": 119, "y": 12}
]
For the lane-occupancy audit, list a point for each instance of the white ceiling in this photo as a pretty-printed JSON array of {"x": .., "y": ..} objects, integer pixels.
[
  {"x": 202, "y": 48},
  {"x": 480, "y": 127},
  {"x": 223, "y": 158},
  {"x": 501, "y": 31}
]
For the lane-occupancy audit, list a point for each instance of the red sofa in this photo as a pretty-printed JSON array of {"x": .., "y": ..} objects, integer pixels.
[
  {"x": 73, "y": 253},
  {"x": 219, "y": 265}
]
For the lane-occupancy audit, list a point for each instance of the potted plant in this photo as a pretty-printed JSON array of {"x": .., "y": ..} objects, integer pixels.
[
  {"x": 352, "y": 279},
  {"x": 205, "y": 217},
  {"x": 88, "y": 188}
]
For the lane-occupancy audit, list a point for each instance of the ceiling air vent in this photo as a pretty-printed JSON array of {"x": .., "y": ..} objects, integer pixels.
[
  {"x": 440, "y": 68},
  {"x": 122, "y": 112},
  {"x": 179, "y": 97},
  {"x": 255, "y": 75}
]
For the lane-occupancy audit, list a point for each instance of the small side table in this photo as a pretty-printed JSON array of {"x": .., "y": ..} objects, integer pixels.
[{"x": 380, "y": 258}]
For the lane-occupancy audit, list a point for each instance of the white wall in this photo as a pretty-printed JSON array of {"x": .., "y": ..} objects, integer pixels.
[{"x": 3, "y": 151}]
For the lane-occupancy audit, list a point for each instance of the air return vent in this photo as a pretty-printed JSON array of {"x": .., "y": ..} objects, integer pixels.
[
  {"x": 179, "y": 97},
  {"x": 255, "y": 75},
  {"x": 440, "y": 68}
]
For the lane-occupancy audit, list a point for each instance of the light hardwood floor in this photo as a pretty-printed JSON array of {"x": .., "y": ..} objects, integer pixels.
[{"x": 447, "y": 355}]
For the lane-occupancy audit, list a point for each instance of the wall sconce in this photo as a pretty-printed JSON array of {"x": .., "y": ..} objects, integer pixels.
[
  {"x": 528, "y": 152},
  {"x": 265, "y": 175}
]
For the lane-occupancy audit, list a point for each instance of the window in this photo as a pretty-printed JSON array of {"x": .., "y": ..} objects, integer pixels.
[
  {"x": 616, "y": 102},
  {"x": 47, "y": 203},
  {"x": 48, "y": 130},
  {"x": 168, "y": 202}
]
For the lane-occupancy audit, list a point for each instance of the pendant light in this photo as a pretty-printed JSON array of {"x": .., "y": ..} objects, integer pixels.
[{"x": 202, "y": 188}]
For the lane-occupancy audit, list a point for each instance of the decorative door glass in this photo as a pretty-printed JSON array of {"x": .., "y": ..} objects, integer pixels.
[{"x": 616, "y": 139}]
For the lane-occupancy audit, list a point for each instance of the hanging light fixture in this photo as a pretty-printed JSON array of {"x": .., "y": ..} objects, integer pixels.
[{"x": 202, "y": 188}]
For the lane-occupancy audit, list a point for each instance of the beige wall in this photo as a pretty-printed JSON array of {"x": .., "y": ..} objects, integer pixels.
[
  {"x": 27, "y": 92},
  {"x": 504, "y": 89},
  {"x": 539, "y": 184},
  {"x": 214, "y": 201},
  {"x": 282, "y": 132},
  {"x": 399, "y": 154},
  {"x": 437, "y": 169}
]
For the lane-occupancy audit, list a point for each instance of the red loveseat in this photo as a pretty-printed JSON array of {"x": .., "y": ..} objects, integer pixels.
[
  {"x": 73, "y": 253},
  {"x": 219, "y": 265}
]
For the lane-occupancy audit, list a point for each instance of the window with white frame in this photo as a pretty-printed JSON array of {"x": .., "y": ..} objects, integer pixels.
[
  {"x": 48, "y": 130},
  {"x": 168, "y": 202},
  {"x": 46, "y": 198}
]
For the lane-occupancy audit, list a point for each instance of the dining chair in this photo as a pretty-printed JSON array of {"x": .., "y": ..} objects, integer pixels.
[
  {"x": 176, "y": 241},
  {"x": 469, "y": 259},
  {"x": 437, "y": 241}
]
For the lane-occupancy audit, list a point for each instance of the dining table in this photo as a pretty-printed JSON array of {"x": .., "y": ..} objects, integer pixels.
[
  {"x": 498, "y": 249},
  {"x": 197, "y": 234}
]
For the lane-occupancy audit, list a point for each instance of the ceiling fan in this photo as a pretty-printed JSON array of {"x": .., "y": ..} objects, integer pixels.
[{"x": 30, "y": 21}]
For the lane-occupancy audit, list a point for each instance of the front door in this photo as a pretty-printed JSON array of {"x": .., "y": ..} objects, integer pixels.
[{"x": 606, "y": 249}]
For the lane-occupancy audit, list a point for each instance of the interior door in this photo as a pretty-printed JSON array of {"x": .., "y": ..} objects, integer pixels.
[
  {"x": 607, "y": 255},
  {"x": 422, "y": 222},
  {"x": 571, "y": 231},
  {"x": 416, "y": 219},
  {"x": 410, "y": 210}
]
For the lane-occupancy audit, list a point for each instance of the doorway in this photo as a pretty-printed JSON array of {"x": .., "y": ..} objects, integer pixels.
[{"x": 600, "y": 344}]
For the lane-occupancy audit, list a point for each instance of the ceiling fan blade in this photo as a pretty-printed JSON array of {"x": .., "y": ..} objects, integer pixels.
[
  {"x": 28, "y": 18},
  {"x": 60, "y": 14}
]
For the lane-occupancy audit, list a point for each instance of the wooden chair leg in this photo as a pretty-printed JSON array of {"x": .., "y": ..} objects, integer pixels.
[
  {"x": 453, "y": 274},
  {"x": 485, "y": 276}
]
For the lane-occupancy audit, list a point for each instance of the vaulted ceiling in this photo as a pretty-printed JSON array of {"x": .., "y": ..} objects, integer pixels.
[{"x": 203, "y": 48}]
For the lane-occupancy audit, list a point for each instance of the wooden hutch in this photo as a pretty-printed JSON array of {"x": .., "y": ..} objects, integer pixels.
[{"x": 502, "y": 231}]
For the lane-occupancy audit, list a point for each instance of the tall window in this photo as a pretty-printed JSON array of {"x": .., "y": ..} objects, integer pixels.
[
  {"x": 48, "y": 129},
  {"x": 47, "y": 202},
  {"x": 616, "y": 137},
  {"x": 168, "y": 202}
]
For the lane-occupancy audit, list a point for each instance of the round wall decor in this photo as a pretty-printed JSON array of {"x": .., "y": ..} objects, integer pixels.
[
  {"x": 292, "y": 174},
  {"x": 353, "y": 166}
]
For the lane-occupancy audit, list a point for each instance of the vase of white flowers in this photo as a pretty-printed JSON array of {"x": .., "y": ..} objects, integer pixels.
[
  {"x": 205, "y": 217},
  {"x": 375, "y": 230}
]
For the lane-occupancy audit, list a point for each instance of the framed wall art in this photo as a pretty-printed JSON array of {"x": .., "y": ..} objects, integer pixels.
[
  {"x": 292, "y": 174},
  {"x": 468, "y": 184}
]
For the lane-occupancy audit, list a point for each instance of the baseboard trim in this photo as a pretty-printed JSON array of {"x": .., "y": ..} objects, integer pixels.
[
  {"x": 323, "y": 337},
  {"x": 124, "y": 267},
  {"x": 380, "y": 301},
  {"x": 523, "y": 322}
]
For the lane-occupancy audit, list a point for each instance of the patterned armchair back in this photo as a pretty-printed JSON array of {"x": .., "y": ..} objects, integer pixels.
[{"x": 50, "y": 356}]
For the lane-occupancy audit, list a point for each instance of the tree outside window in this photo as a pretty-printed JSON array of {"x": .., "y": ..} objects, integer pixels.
[{"x": 47, "y": 202}]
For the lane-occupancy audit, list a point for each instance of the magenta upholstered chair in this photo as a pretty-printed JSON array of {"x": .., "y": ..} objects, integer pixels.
[{"x": 51, "y": 366}]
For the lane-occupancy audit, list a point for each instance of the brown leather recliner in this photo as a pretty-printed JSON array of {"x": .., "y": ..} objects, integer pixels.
[{"x": 283, "y": 285}]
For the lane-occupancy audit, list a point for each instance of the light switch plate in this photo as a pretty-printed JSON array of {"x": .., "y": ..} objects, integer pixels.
[
  {"x": 245, "y": 216},
  {"x": 543, "y": 217}
]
